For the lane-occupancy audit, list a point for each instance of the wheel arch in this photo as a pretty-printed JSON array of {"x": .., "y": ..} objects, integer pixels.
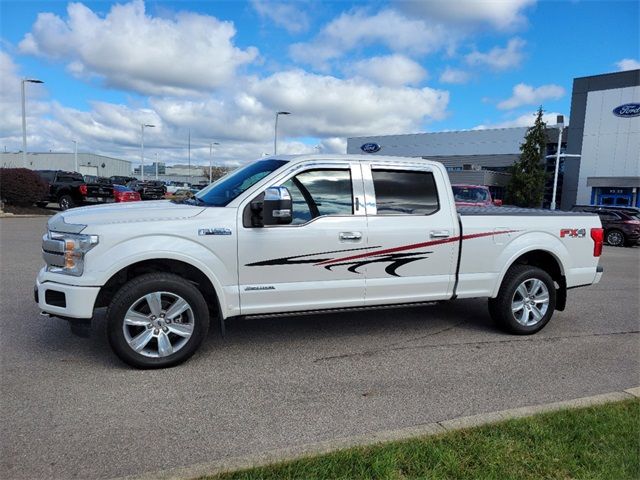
[
  {"x": 181, "y": 268},
  {"x": 547, "y": 261}
]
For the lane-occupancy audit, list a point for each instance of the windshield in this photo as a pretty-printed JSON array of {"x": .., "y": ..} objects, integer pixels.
[
  {"x": 470, "y": 194},
  {"x": 222, "y": 192}
]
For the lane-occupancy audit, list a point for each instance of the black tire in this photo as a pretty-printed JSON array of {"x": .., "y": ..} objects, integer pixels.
[
  {"x": 133, "y": 292},
  {"x": 615, "y": 238},
  {"x": 66, "y": 202},
  {"x": 501, "y": 307}
]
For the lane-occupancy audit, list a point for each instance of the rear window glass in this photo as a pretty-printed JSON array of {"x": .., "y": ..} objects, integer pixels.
[{"x": 401, "y": 192}]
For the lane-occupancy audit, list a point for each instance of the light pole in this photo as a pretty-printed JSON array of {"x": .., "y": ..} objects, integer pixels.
[
  {"x": 275, "y": 134},
  {"x": 24, "y": 119},
  {"x": 75, "y": 155},
  {"x": 211, "y": 158},
  {"x": 142, "y": 125},
  {"x": 560, "y": 126}
]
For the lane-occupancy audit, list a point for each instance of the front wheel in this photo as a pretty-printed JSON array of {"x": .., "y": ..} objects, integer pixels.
[
  {"x": 615, "y": 238},
  {"x": 526, "y": 300},
  {"x": 157, "y": 320}
]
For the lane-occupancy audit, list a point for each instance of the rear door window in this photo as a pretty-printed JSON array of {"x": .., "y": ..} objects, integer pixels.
[{"x": 405, "y": 192}]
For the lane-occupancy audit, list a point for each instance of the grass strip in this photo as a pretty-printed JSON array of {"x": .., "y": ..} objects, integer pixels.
[{"x": 600, "y": 442}]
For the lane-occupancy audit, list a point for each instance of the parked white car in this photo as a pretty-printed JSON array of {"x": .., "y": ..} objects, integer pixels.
[{"x": 301, "y": 233}]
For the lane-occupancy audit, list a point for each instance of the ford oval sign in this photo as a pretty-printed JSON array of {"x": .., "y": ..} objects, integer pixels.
[
  {"x": 626, "y": 110},
  {"x": 370, "y": 148}
]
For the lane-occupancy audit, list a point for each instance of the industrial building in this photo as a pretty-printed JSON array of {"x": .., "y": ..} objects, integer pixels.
[
  {"x": 88, "y": 163},
  {"x": 603, "y": 134},
  {"x": 475, "y": 157}
]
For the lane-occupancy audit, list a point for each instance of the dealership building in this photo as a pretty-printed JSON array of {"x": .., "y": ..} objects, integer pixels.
[
  {"x": 88, "y": 163},
  {"x": 602, "y": 143}
]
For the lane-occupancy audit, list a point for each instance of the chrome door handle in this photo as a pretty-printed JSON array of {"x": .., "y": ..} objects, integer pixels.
[
  {"x": 440, "y": 234},
  {"x": 353, "y": 236}
]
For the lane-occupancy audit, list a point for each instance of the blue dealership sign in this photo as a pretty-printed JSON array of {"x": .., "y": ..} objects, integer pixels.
[
  {"x": 627, "y": 110},
  {"x": 370, "y": 148}
]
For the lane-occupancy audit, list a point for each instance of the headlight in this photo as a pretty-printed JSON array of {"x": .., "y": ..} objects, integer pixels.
[{"x": 64, "y": 252}]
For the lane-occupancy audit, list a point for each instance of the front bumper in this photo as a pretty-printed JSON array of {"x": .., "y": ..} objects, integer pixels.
[{"x": 67, "y": 301}]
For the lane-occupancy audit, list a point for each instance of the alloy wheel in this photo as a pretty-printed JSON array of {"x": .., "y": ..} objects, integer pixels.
[
  {"x": 158, "y": 324},
  {"x": 530, "y": 302}
]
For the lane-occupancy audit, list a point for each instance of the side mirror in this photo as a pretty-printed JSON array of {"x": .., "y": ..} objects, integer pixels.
[
  {"x": 497, "y": 203},
  {"x": 275, "y": 208}
]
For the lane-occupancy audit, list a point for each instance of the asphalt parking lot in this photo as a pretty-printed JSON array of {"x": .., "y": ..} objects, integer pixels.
[{"x": 70, "y": 409}]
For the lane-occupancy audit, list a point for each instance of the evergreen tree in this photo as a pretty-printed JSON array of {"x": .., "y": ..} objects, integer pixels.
[{"x": 526, "y": 187}]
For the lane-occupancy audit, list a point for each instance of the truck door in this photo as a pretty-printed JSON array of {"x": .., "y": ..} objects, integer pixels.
[
  {"x": 413, "y": 234},
  {"x": 281, "y": 267}
]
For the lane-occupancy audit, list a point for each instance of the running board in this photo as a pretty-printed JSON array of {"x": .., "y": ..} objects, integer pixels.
[{"x": 344, "y": 309}]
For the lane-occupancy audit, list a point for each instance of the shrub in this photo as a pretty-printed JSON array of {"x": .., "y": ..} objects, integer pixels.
[{"x": 21, "y": 186}]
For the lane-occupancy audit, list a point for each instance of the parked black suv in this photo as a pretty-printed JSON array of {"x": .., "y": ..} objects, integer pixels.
[
  {"x": 621, "y": 224},
  {"x": 67, "y": 189},
  {"x": 148, "y": 189}
]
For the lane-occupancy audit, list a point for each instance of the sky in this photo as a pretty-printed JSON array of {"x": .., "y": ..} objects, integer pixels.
[{"x": 219, "y": 70}]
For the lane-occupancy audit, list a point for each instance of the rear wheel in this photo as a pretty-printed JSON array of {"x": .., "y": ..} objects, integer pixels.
[
  {"x": 615, "y": 238},
  {"x": 526, "y": 300},
  {"x": 66, "y": 202},
  {"x": 157, "y": 320}
]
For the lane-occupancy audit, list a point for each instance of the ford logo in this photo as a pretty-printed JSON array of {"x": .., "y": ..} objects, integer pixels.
[
  {"x": 626, "y": 110},
  {"x": 370, "y": 148}
]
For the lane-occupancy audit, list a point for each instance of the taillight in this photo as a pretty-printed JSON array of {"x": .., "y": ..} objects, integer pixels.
[
  {"x": 117, "y": 195},
  {"x": 597, "y": 234},
  {"x": 83, "y": 189}
]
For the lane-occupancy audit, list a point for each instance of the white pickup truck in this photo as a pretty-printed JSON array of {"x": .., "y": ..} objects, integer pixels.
[{"x": 306, "y": 233}]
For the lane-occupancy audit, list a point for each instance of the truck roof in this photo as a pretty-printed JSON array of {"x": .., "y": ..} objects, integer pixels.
[{"x": 351, "y": 157}]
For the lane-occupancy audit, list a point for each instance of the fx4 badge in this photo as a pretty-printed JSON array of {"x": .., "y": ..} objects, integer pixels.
[{"x": 573, "y": 232}]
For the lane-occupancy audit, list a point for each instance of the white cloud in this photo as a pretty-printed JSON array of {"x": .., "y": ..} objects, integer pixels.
[
  {"x": 501, "y": 14},
  {"x": 525, "y": 120},
  {"x": 524, "y": 94},
  {"x": 240, "y": 118},
  {"x": 285, "y": 15},
  {"x": 453, "y": 75},
  {"x": 134, "y": 51},
  {"x": 327, "y": 106},
  {"x": 499, "y": 58},
  {"x": 628, "y": 64},
  {"x": 358, "y": 29},
  {"x": 391, "y": 70}
]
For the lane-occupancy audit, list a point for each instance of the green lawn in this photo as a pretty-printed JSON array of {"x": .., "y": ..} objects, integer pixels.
[{"x": 596, "y": 442}]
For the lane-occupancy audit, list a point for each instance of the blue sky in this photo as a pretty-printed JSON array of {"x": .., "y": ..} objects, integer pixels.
[{"x": 221, "y": 69}]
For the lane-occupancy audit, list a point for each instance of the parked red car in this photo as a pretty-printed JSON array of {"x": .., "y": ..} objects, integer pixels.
[
  {"x": 473, "y": 196},
  {"x": 124, "y": 194}
]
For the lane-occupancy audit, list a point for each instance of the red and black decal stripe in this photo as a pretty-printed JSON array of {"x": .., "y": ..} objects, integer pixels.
[{"x": 393, "y": 256}]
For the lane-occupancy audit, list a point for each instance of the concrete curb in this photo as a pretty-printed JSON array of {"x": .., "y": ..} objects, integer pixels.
[
  {"x": 29, "y": 215},
  {"x": 319, "y": 448}
]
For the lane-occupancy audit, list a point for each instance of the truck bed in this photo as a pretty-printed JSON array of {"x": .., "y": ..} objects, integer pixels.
[{"x": 517, "y": 212}]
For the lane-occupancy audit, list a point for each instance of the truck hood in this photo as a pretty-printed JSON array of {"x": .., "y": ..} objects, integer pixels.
[{"x": 118, "y": 213}]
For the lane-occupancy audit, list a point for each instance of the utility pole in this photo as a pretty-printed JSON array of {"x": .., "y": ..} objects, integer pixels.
[
  {"x": 24, "y": 119},
  {"x": 142, "y": 125},
  {"x": 189, "y": 155},
  {"x": 211, "y": 159},
  {"x": 275, "y": 132},
  {"x": 560, "y": 126},
  {"x": 75, "y": 154}
]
